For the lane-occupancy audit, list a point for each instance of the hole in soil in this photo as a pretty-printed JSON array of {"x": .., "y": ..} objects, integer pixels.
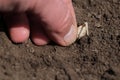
[
  {"x": 110, "y": 71},
  {"x": 7, "y": 74},
  {"x": 118, "y": 39}
]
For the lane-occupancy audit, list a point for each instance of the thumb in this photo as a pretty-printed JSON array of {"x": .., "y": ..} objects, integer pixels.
[{"x": 59, "y": 23}]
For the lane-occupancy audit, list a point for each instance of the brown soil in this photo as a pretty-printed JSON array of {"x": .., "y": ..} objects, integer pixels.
[{"x": 96, "y": 57}]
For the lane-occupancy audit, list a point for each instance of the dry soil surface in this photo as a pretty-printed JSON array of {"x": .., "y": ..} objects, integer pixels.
[{"x": 94, "y": 57}]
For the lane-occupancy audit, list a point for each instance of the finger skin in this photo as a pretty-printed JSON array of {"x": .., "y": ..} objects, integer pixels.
[
  {"x": 18, "y": 27},
  {"x": 38, "y": 35},
  {"x": 57, "y": 19},
  {"x": 56, "y": 16}
]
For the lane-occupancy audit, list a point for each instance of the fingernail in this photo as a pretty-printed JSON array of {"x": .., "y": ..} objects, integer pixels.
[{"x": 71, "y": 36}]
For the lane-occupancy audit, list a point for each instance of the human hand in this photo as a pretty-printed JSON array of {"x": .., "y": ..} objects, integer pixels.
[{"x": 42, "y": 20}]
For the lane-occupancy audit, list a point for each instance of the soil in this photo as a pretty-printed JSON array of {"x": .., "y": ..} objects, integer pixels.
[{"x": 94, "y": 57}]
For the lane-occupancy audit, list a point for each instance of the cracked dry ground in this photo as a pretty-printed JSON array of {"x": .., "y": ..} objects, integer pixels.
[{"x": 96, "y": 57}]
